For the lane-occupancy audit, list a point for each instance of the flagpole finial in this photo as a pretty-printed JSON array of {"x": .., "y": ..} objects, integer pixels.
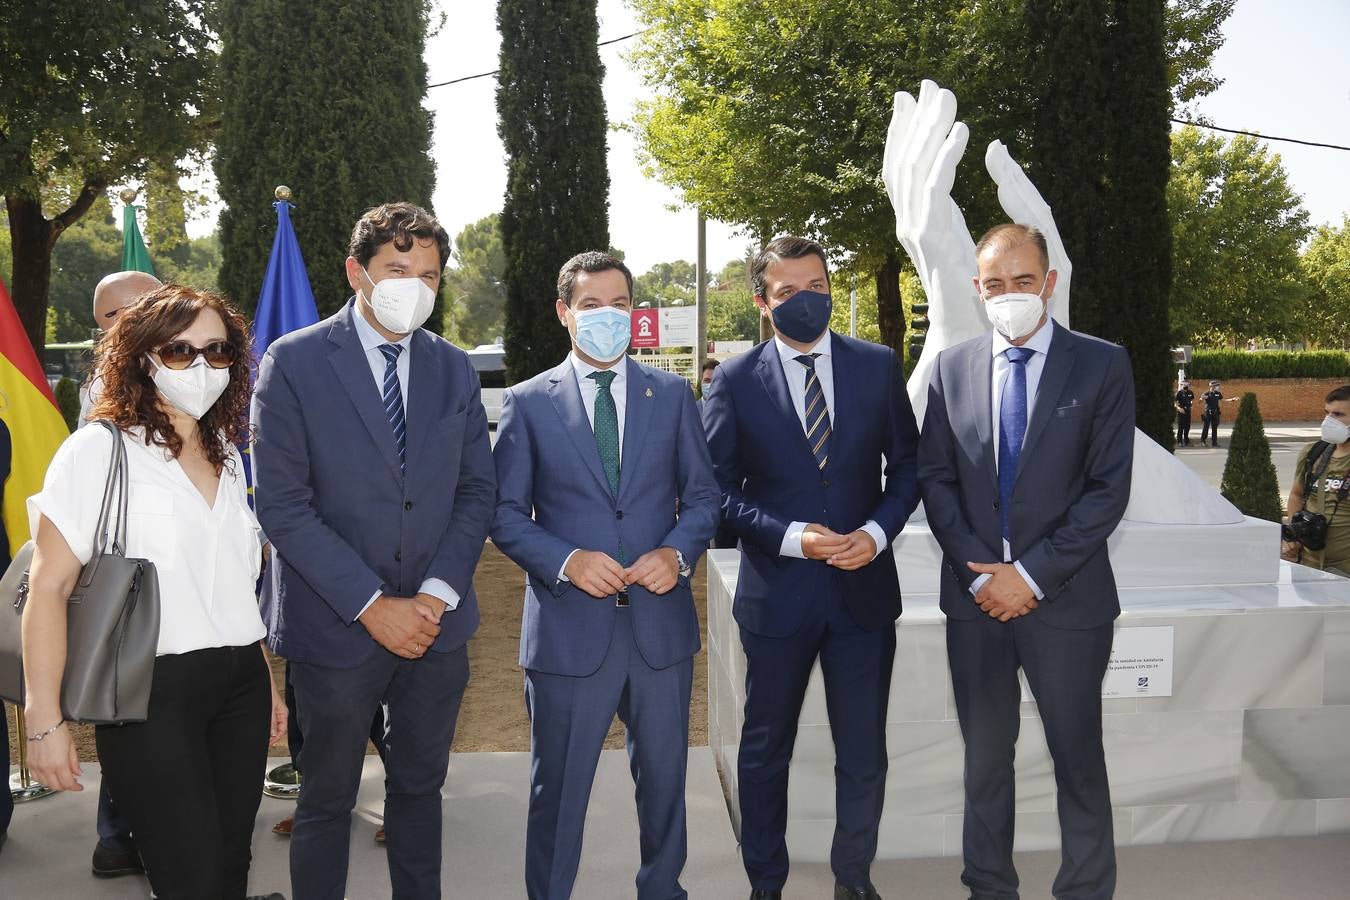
[
  {"x": 127, "y": 195},
  {"x": 282, "y": 193}
]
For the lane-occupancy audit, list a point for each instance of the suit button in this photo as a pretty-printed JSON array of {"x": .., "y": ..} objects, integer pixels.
[
  {"x": 825, "y": 482},
  {"x": 398, "y": 556},
  {"x": 995, "y": 506},
  {"x": 618, "y": 514},
  {"x": 407, "y": 505}
]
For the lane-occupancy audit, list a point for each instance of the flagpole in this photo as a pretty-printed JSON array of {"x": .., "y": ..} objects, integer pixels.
[{"x": 22, "y": 787}]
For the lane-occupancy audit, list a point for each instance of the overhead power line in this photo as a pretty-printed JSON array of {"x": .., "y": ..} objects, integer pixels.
[
  {"x": 465, "y": 78},
  {"x": 1264, "y": 137}
]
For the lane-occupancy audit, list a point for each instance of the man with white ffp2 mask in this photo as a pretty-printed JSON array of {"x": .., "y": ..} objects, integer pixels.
[{"x": 1317, "y": 524}]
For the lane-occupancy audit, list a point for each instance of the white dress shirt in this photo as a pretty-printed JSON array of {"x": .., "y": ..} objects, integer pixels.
[
  {"x": 90, "y": 391},
  {"x": 371, "y": 341},
  {"x": 618, "y": 389},
  {"x": 1039, "y": 343},
  {"x": 795, "y": 373},
  {"x": 207, "y": 557}
]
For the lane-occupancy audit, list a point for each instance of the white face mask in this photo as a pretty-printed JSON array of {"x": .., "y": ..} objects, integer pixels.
[
  {"x": 1015, "y": 315},
  {"x": 193, "y": 390},
  {"x": 1334, "y": 431},
  {"x": 400, "y": 304}
]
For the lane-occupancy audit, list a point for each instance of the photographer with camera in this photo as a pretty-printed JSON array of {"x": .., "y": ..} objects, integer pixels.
[{"x": 1316, "y": 531}]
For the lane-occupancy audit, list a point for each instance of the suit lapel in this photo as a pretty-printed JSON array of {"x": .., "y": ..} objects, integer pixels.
[
  {"x": 353, "y": 371},
  {"x": 771, "y": 375},
  {"x": 420, "y": 402},
  {"x": 1054, "y": 376},
  {"x": 637, "y": 416},
  {"x": 981, "y": 374},
  {"x": 843, "y": 369},
  {"x": 565, "y": 393}
]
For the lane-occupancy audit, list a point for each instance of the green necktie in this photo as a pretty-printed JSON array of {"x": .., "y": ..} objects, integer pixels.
[{"x": 607, "y": 427}]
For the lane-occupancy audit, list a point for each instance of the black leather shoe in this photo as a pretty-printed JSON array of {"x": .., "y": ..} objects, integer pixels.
[
  {"x": 843, "y": 892},
  {"x": 766, "y": 895},
  {"x": 109, "y": 863},
  {"x": 272, "y": 896}
]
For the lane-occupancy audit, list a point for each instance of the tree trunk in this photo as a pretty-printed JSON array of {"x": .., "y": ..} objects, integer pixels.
[
  {"x": 890, "y": 309},
  {"x": 32, "y": 238}
]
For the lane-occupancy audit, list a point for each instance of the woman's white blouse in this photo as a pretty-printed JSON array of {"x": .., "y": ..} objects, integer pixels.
[{"x": 207, "y": 557}]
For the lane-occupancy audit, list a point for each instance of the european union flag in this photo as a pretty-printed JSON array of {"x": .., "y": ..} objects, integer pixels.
[{"x": 286, "y": 302}]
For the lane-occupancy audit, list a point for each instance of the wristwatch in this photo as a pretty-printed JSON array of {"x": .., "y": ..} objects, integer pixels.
[{"x": 685, "y": 569}]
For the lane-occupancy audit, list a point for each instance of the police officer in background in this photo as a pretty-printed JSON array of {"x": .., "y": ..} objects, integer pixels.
[
  {"x": 1185, "y": 397},
  {"x": 1209, "y": 419}
]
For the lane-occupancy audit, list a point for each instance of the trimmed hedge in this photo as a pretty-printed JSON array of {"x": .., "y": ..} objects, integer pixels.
[{"x": 1222, "y": 364}]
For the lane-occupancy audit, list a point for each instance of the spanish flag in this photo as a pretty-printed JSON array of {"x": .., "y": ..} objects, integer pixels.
[{"x": 28, "y": 408}]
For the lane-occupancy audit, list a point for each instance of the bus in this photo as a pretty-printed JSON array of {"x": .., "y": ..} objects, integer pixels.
[{"x": 489, "y": 360}]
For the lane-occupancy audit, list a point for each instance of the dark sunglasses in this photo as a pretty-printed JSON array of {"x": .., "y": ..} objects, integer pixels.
[{"x": 181, "y": 354}]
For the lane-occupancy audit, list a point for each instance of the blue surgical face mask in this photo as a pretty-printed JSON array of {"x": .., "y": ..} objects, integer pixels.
[
  {"x": 804, "y": 316},
  {"x": 603, "y": 334}
]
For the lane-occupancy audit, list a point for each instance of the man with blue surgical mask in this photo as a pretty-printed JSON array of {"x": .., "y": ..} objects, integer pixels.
[
  {"x": 813, "y": 441},
  {"x": 606, "y": 499}
]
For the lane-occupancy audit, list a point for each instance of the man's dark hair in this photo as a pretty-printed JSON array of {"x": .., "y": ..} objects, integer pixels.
[
  {"x": 710, "y": 364},
  {"x": 1009, "y": 235},
  {"x": 786, "y": 247},
  {"x": 401, "y": 223},
  {"x": 590, "y": 262},
  {"x": 1338, "y": 394}
]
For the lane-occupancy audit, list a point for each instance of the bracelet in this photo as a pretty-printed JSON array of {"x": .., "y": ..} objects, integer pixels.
[{"x": 43, "y": 735}]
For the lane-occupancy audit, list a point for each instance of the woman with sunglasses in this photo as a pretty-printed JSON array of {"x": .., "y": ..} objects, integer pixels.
[{"x": 175, "y": 383}]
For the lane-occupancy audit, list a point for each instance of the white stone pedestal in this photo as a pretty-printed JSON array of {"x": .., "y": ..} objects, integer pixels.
[{"x": 1253, "y": 742}]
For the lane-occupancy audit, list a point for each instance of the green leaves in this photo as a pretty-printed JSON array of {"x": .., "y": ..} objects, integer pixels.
[{"x": 1249, "y": 480}]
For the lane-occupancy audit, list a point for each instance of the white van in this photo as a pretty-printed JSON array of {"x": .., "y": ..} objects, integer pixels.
[{"x": 490, "y": 362}]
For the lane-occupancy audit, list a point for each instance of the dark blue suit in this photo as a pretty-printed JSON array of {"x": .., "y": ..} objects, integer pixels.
[
  {"x": 345, "y": 523},
  {"x": 586, "y": 658},
  {"x": 1071, "y": 489},
  {"x": 791, "y": 610}
]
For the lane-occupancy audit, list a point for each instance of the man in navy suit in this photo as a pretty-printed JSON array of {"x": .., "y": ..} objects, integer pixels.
[
  {"x": 375, "y": 486},
  {"x": 813, "y": 441},
  {"x": 1025, "y": 463},
  {"x": 607, "y": 501}
]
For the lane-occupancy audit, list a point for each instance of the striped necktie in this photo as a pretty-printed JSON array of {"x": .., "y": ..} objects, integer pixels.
[
  {"x": 393, "y": 402},
  {"x": 817, "y": 415},
  {"x": 1012, "y": 429}
]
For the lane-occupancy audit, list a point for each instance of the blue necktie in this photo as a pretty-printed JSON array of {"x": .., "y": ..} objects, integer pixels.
[
  {"x": 606, "y": 427},
  {"x": 1012, "y": 428},
  {"x": 393, "y": 402},
  {"x": 817, "y": 414}
]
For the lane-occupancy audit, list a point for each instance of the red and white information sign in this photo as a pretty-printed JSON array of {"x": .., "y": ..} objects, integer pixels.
[{"x": 646, "y": 328}]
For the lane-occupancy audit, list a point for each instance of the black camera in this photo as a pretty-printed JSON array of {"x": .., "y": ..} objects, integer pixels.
[{"x": 1307, "y": 528}]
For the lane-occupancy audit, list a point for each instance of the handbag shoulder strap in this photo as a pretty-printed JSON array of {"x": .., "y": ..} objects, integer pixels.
[{"x": 115, "y": 486}]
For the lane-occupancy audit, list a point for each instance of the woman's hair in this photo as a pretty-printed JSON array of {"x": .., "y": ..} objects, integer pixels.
[{"x": 128, "y": 395}]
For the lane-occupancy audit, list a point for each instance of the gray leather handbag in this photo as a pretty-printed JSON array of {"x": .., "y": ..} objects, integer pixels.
[{"x": 112, "y": 618}]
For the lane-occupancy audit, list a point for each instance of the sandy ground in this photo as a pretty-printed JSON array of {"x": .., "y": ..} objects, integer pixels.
[{"x": 493, "y": 715}]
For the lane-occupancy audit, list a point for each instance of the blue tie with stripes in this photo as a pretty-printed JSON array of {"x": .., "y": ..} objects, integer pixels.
[
  {"x": 817, "y": 414},
  {"x": 393, "y": 402},
  {"x": 1012, "y": 429}
]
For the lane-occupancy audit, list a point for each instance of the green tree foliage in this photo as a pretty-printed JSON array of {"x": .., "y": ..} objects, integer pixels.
[
  {"x": 475, "y": 311},
  {"x": 68, "y": 400},
  {"x": 1194, "y": 35},
  {"x": 1227, "y": 364},
  {"x": 1249, "y": 480},
  {"x": 1237, "y": 226},
  {"x": 1325, "y": 317},
  {"x": 552, "y": 125},
  {"x": 732, "y": 314},
  {"x": 89, "y": 250},
  {"x": 97, "y": 91},
  {"x": 334, "y": 112}
]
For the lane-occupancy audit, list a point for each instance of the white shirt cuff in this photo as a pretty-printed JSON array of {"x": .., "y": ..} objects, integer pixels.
[
  {"x": 563, "y": 567},
  {"x": 373, "y": 597},
  {"x": 792, "y": 540},
  {"x": 441, "y": 591},
  {"x": 979, "y": 583},
  {"x": 878, "y": 536},
  {"x": 1035, "y": 588}
]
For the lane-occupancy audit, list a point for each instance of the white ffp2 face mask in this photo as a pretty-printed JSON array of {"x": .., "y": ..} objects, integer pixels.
[
  {"x": 193, "y": 390},
  {"x": 1334, "y": 431},
  {"x": 1014, "y": 314},
  {"x": 400, "y": 304}
]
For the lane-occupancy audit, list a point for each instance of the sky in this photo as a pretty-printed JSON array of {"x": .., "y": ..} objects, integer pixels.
[{"x": 1282, "y": 64}]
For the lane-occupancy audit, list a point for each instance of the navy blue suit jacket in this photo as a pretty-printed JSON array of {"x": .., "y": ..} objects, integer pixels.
[
  {"x": 769, "y": 479},
  {"x": 1073, "y": 475},
  {"x": 342, "y": 520},
  {"x": 555, "y": 498}
]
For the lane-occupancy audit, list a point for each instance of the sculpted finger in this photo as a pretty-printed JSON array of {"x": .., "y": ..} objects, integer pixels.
[
  {"x": 938, "y": 186},
  {"x": 902, "y": 114}
]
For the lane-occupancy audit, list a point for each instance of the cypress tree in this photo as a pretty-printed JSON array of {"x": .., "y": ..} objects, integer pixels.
[
  {"x": 1100, "y": 153},
  {"x": 552, "y": 124},
  {"x": 1249, "y": 480},
  {"x": 326, "y": 98}
]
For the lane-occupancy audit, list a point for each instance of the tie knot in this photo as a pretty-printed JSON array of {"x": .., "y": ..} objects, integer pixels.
[
  {"x": 1018, "y": 355},
  {"x": 604, "y": 378},
  {"x": 808, "y": 359},
  {"x": 391, "y": 351}
]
